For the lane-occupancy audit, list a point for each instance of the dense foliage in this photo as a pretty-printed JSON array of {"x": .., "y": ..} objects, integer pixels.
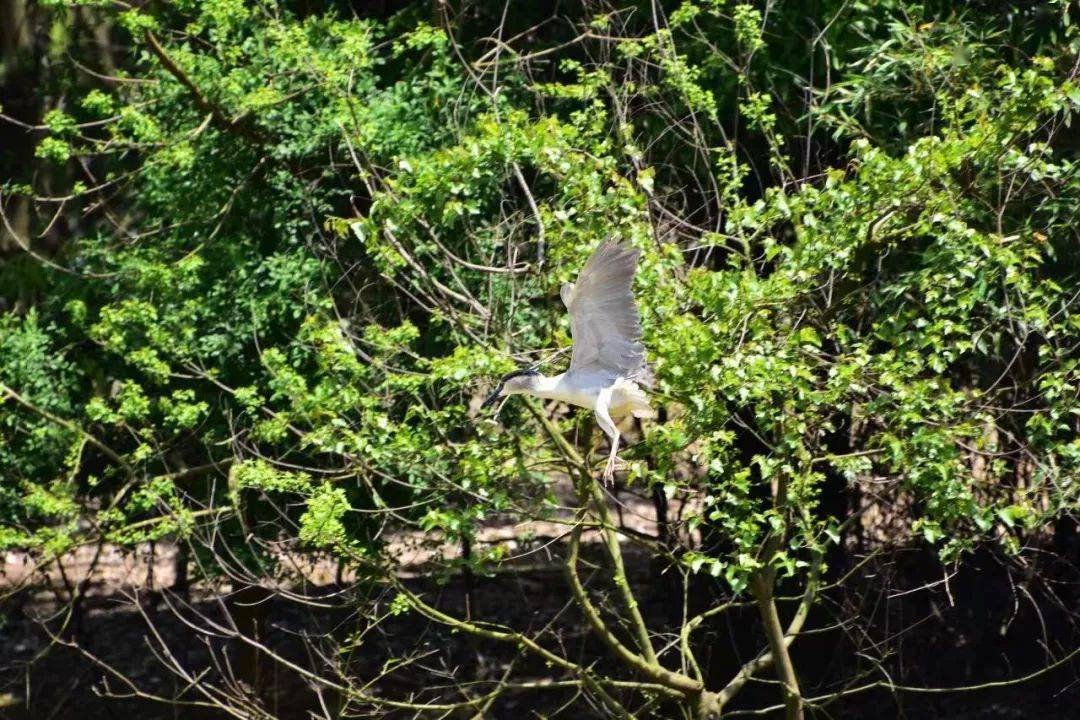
[{"x": 269, "y": 263}]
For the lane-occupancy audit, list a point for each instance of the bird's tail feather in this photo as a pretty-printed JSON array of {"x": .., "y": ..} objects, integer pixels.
[{"x": 635, "y": 401}]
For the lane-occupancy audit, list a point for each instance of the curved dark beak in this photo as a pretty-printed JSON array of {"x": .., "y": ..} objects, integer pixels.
[{"x": 491, "y": 398}]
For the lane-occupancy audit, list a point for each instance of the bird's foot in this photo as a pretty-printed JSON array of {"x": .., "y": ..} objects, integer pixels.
[{"x": 609, "y": 469}]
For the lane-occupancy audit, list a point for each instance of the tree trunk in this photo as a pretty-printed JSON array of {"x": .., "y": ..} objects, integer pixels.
[{"x": 762, "y": 588}]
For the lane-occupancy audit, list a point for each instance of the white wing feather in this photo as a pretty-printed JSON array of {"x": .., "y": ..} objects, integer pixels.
[{"x": 604, "y": 318}]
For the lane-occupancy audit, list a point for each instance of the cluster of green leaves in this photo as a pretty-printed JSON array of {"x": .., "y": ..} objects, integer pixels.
[
  {"x": 900, "y": 320},
  {"x": 328, "y": 228},
  {"x": 213, "y": 320}
]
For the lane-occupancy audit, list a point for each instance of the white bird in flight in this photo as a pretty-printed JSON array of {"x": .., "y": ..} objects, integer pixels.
[{"x": 607, "y": 363}]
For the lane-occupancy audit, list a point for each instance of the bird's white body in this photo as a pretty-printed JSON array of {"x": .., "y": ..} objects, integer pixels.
[
  {"x": 585, "y": 389},
  {"x": 608, "y": 360}
]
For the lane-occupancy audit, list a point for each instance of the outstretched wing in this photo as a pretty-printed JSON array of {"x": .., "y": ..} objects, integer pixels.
[{"x": 604, "y": 318}]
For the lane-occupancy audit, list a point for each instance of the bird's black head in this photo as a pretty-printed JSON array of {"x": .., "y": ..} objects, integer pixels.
[{"x": 511, "y": 383}]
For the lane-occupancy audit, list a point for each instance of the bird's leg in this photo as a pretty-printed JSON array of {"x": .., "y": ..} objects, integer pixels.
[
  {"x": 603, "y": 419},
  {"x": 609, "y": 468}
]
